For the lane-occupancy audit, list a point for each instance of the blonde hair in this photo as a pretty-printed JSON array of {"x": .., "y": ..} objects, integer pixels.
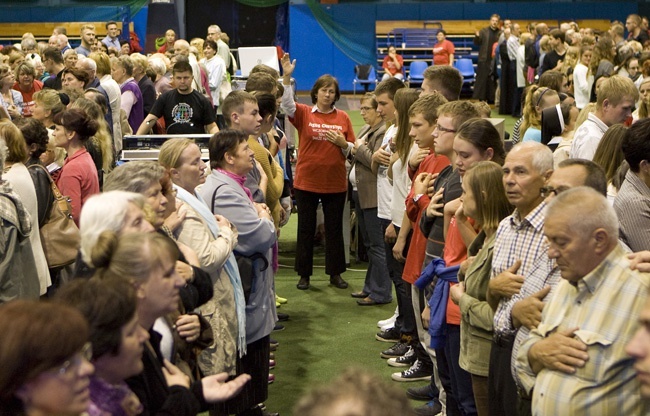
[
  {"x": 615, "y": 89},
  {"x": 4, "y": 69},
  {"x": 15, "y": 141},
  {"x": 198, "y": 44},
  {"x": 534, "y": 98},
  {"x": 584, "y": 113},
  {"x": 103, "y": 62},
  {"x": 485, "y": 179},
  {"x": 134, "y": 255},
  {"x": 644, "y": 107},
  {"x": 50, "y": 100},
  {"x": 140, "y": 60},
  {"x": 571, "y": 58},
  {"x": 171, "y": 150},
  {"x": 404, "y": 98}
]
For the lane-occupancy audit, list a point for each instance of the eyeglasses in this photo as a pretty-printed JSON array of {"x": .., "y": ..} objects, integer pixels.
[
  {"x": 546, "y": 191},
  {"x": 75, "y": 362},
  {"x": 444, "y": 129},
  {"x": 366, "y": 108}
]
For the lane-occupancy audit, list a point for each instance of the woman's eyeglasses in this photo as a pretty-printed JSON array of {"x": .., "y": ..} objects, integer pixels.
[{"x": 75, "y": 362}]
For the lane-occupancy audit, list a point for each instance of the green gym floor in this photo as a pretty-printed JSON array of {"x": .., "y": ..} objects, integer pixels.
[{"x": 327, "y": 331}]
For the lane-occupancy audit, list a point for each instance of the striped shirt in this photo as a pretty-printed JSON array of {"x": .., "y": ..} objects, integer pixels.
[
  {"x": 517, "y": 239},
  {"x": 605, "y": 305},
  {"x": 632, "y": 206}
]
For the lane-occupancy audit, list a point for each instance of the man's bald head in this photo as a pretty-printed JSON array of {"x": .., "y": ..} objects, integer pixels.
[{"x": 182, "y": 47}]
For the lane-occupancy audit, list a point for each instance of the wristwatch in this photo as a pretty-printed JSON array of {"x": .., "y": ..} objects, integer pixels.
[{"x": 417, "y": 197}]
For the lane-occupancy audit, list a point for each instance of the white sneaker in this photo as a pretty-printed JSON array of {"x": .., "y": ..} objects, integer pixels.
[{"x": 388, "y": 323}]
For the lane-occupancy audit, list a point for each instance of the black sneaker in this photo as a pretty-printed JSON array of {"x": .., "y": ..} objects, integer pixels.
[
  {"x": 405, "y": 360},
  {"x": 415, "y": 373},
  {"x": 283, "y": 317},
  {"x": 389, "y": 335},
  {"x": 396, "y": 350},
  {"x": 423, "y": 393},
  {"x": 433, "y": 408}
]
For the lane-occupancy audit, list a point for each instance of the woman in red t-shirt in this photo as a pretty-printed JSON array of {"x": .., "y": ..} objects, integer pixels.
[
  {"x": 326, "y": 137},
  {"x": 27, "y": 85},
  {"x": 443, "y": 51},
  {"x": 393, "y": 64}
]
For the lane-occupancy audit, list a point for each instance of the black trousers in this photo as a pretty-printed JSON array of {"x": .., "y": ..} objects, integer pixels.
[
  {"x": 256, "y": 391},
  {"x": 502, "y": 389},
  {"x": 333, "y": 205},
  {"x": 406, "y": 316}
]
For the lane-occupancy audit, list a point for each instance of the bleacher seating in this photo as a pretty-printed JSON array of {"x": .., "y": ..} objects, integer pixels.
[
  {"x": 13, "y": 32},
  {"x": 364, "y": 75},
  {"x": 414, "y": 39},
  {"x": 416, "y": 72}
]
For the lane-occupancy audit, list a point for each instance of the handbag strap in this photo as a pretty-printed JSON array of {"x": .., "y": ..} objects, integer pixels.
[
  {"x": 255, "y": 256},
  {"x": 58, "y": 197}
]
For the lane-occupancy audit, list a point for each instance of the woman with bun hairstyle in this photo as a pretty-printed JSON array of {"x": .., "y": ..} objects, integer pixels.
[
  {"x": 78, "y": 179},
  {"x": 44, "y": 353}
]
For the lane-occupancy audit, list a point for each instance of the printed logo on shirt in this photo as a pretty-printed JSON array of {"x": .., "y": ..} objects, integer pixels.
[
  {"x": 182, "y": 113},
  {"x": 320, "y": 129}
]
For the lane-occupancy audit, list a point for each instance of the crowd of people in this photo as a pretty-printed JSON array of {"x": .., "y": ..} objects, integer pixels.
[
  {"x": 526, "y": 296},
  {"x": 519, "y": 272}
]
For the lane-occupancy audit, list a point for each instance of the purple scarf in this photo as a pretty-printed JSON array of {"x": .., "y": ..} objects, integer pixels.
[{"x": 239, "y": 179}]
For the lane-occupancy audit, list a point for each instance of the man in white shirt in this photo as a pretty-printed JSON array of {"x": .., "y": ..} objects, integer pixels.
[
  {"x": 616, "y": 98},
  {"x": 215, "y": 67}
]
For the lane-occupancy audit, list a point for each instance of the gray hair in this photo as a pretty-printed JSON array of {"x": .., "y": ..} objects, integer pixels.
[
  {"x": 103, "y": 212},
  {"x": 134, "y": 177},
  {"x": 62, "y": 40},
  {"x": 542, "y": 155},
  {"x": 588, "y": 211},
  {"x": 87, "y": 63},
  {"x": 28, "y": 44},
  {"x": 69, "y": 52},
  {"x": 158, "y": 65}
]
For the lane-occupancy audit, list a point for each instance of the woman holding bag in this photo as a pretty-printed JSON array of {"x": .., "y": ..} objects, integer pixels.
[{"x": 78, "y": 179}]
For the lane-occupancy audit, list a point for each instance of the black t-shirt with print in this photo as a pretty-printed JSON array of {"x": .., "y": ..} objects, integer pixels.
[{"x": 184, "y": 113}]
